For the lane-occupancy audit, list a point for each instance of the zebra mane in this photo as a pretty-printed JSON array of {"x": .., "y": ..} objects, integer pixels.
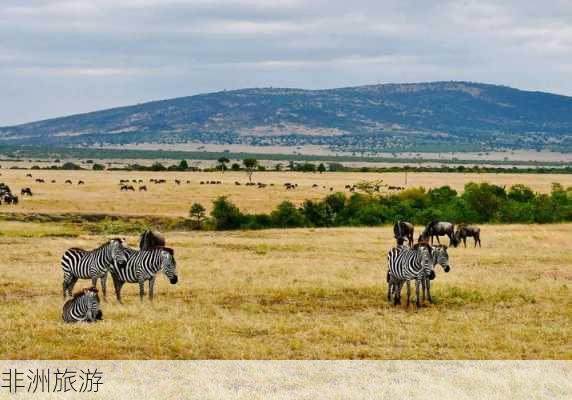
[{"x": 99, "y": 247}]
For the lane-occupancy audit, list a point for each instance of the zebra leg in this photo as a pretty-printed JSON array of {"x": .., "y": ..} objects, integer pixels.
[
  {"x": 117, "y": 285},
  {"x": 465, "y": 242},
  {"x": 429, "y": 292},
  {"x": 69, "y": 283},
  {"x": 141, "y": 289},
  {"x": 104, "y": 286},
  {"x": 423, "y": 286},
  {"x": 408, "y": 293},
  {"x": 151, "y": 284},
  {"x": 417, "y": 302}
]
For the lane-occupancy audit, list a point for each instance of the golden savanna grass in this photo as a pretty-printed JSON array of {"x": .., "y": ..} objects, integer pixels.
[
  {"x": 101, "y": 193},
  {"x": 297, "y": 294}
]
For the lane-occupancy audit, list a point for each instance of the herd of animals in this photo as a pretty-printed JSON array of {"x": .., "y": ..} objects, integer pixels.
[
  {"x": 416, "y": 262},
  {"x": 406, "y": 263},
  {"x": 124, "y": 264}
]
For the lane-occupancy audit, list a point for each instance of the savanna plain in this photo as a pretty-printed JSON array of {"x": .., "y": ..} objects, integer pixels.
[{"x": 280, "y": 294}]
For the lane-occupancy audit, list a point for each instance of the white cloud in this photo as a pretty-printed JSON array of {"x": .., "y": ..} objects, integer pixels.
[{"x": 99, "y": 53}]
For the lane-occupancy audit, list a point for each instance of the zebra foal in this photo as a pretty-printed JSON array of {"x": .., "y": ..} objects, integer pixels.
[
  {"x": 83, "y": 264},
  {"x": 83, "y": 306}
]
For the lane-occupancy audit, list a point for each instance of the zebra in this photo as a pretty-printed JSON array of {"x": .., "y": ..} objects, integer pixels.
[
  {"x": 406, "y": 264},
  {"x": 83, "y": 306},
  {"x": 83, "y": 264},
  {"x": 143, "y": 265}
]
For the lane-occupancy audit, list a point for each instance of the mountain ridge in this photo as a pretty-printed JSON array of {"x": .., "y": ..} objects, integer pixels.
[{"x": 378, "y": 117}]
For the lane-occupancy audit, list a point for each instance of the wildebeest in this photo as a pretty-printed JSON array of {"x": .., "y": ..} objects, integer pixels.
[
  {"x": 125, "y": 188},
  {"x": 53, "y": 181},
  {"x": 143, "y": 188},
  {"x": 81, "y": 183},
  {"x": 403, "y": 230},
  {"x": 10, "y": 199},
  {"x": 439, "y": 228},
  {"x": 28, "y": 175},
  {"x": 68, "y": 181},
  {"x": 178, "y": 182},
  {"x": 464, "y": 231},
  {"x": 26, "y": 192},
  {"x": 150, "y": 239},
  {"x": 40, "y": 180}
]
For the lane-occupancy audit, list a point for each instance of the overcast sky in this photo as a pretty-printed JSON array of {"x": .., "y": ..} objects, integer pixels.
[{"x": 61, "y": 57}]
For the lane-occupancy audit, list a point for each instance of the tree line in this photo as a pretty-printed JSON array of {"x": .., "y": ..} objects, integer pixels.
[{"x": 479, "y": 203}]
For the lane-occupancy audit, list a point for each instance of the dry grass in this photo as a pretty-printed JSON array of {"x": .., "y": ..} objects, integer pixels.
[
  {"x": 101, "y": 192},
  {"x": 298, "y": 294}
]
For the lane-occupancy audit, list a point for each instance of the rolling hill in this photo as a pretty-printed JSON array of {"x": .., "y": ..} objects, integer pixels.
[{"x": 390, "y": 117}]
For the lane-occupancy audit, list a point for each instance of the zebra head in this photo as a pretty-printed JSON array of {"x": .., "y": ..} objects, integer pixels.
[
  {"x": 441, "y": 257},
  {"x": 92, "y": 300},
  {"x": 118, "y": 252},
  {"x": 168, "y": 264}
]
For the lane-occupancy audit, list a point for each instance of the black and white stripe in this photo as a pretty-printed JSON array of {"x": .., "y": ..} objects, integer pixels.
[
  {"x": 406, "y": 264},
  {"x": 143, "y": 266},
  {"x": 94, "y": 264},
  {"x": 83, "y": 306}
]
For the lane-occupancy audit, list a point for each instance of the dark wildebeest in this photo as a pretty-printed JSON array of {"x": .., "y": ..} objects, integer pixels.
[
  {"x": 10, "y": 199},
  {"x": 40, "y": 180},
  {"x": 143, "y": 188},
  {"x": 403, "y": 230},
  {"x": 178, "y": 182},
  {"x": 439, "y": 228},
  {"x": 81, "y": 183},
  {"x": 150, "y": 239},
  {"x": 26, "y": 192},
  {"x": 464, "y": 231},
  {"x": 68, "y": 181}
]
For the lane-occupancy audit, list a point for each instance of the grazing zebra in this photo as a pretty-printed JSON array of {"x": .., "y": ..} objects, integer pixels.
[
  {"x": 143, "y": 265},
  {"x": 83, "y": 306},
  {"x": 406, "y": 264},
  {"x": 94, "y": 264}
]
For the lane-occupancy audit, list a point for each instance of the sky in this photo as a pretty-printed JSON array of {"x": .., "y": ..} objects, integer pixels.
[{"x": 60, "y": 57}]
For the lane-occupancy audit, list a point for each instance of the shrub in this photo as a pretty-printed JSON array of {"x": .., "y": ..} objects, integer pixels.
[{"x": 225, "y": 214}]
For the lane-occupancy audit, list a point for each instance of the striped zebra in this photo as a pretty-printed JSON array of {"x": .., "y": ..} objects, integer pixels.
[
  {"x": 406, "y": 264},
  {"x": 83, "y": 306},
  {"x": 143, "y": 265},
  {"x": 94, "y": 264}
]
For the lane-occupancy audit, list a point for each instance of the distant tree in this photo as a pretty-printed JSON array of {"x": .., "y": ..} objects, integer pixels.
[
  {"x": 183, "y": 165},
  {"x": 250, "y": 165},
  {"x": 222, "y": 164},
  {"x": 157, "y": 167},
  {"x": 70, "y": 166},
  {"x": 321, "y": 168},
  {"x": 98, "y": 167},
  {"x": 197, "y": 214},
  {"x": 235, "y": 167},
  {"x": 278, "y": 167}
]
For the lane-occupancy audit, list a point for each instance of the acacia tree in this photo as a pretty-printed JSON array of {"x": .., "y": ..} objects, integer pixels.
[
  {"x": 250, "y": 165},
  {"x": 198, "y": 214},
  {"x": 222, "y": 164},
  {"x": 321, "y": 168}
]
